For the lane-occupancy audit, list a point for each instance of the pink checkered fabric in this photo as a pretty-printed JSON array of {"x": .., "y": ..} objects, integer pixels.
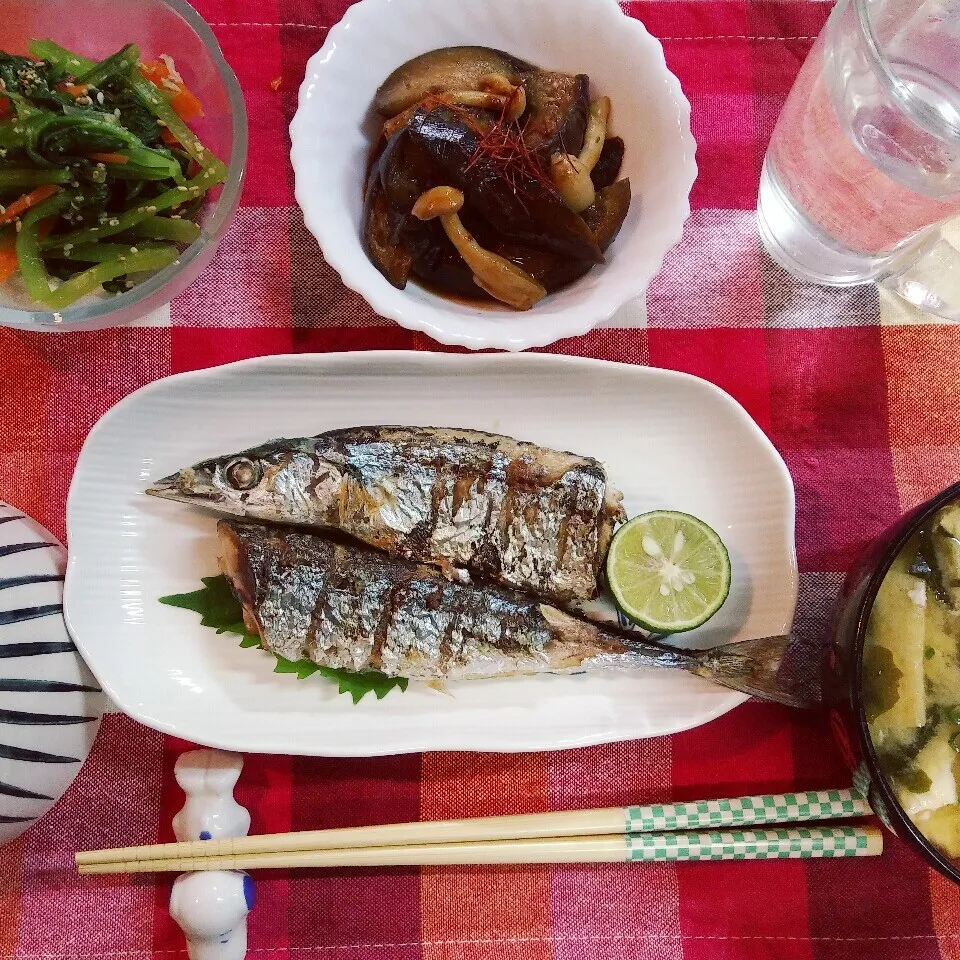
[{"x": 863, "y": 407}]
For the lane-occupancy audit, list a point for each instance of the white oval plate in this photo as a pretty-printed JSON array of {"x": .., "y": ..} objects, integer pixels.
[
  {"x": 669, "y": 440},
  {"x": 335, "y": 127}
]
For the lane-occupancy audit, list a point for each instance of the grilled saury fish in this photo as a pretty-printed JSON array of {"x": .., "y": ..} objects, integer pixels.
[
  {"x": 307, "y": 596},
  {"x": 516, "y": 513}
]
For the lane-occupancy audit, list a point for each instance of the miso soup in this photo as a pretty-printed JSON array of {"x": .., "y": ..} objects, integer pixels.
[{"x": 911, "y": 671}]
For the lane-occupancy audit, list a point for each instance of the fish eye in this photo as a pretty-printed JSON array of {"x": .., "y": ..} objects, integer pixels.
[{"x": 243, "y": 474}]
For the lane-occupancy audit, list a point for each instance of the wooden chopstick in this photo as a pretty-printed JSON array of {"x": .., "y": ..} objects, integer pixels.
[
  {"x": 779, "y": 844},
  {"x": 610, "y": 821}
]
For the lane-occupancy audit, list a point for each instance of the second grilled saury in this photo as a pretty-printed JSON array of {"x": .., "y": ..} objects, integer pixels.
[
  {"x": 308, "y": 597},
  {"x": 517, "y": 513}
]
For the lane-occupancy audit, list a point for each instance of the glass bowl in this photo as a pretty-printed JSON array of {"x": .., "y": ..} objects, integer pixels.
[
  {"x": 843, "y": 677},
  {"x": 97, "y": 28}
]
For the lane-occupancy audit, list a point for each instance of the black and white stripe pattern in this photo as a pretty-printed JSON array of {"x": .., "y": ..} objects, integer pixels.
[{"x": 50, "y": 705}]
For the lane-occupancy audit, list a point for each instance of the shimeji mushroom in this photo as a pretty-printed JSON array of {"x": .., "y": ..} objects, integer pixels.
[
  {"x": 571, "y": 175},
  {"x": 503, "y": 280},
  {"x": 495, "y": 93}
]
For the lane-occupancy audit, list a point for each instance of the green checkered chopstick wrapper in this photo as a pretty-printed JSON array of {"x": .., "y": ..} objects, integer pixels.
[
  {"x": 786, "y": 844},
  {"x": 774, "y": 808}
]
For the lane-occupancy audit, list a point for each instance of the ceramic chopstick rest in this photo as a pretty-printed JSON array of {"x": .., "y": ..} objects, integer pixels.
[
  {"x": 208, "y": 777},
  {"x": 211, "y": 907}
]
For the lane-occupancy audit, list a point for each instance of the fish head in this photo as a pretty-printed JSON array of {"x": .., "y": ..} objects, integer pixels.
[{"x": 281, "y": 481}]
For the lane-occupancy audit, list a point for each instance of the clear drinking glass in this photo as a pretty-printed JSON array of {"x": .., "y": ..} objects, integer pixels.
[{"x": 864, "y": 164}]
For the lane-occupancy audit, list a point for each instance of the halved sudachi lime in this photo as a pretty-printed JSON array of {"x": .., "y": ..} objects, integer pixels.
[{"x": 668, "y": 571}]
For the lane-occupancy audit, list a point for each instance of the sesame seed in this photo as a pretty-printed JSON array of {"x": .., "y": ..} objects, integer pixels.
[
  {"x": 129, "y": 284},
  {"x": 121, "y": 258},
  {"x": 176, "y": 216},
  {"x": 160, "y": 123},
  {"x": 114, "y": 222},
  {"x": 116, "y": 113},
  {"x": 74, "y": 62},
  {"x": 168, "y": 84},
  {"x": 101, "y": 166},
  {"x": 18, "y": 129},
  {"x": 3, "y": 151},
  {"x": 151, "y": 209},
  {"x": 19, "y": 226},
  {"x": 85, "y": 101},
  {"x": 184, "y": 189},
  {"x": 67, "y": 247},
  {"x": 3, "y": 84},
  {"x": 171, "y": 67},
  {"x": 100, "y": 97},
  {"x": 134, "y": 250},
  {"x": 3, "y": 209}
]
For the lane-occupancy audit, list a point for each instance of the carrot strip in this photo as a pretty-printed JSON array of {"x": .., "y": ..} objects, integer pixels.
[
  {"x": 155, "y": 71},
  {"x": 118, "y": 158},
  {"x": 27, "y": 201},
  {"x": 183, "y": 101},
  {"x": 6, "y": 108},
  {"x": 187, "y": 105},
  {"x": 8, "y": 258},
  {"x": 74, "y": 89}
]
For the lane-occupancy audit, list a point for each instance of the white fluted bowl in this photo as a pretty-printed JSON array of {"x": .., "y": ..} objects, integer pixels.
[{"x": 335, "y": 124}]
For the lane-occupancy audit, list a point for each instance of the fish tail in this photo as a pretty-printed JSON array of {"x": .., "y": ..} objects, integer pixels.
[{"x": 752, "y": 667}]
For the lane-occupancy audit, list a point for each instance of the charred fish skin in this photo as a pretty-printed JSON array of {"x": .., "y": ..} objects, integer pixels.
[
  {"x": 362, "y": 610},
  {"x": 359, "y": 609},
  {"x": 514, "y": 512}
]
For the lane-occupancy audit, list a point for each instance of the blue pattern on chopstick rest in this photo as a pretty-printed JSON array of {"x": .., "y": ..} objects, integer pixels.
[
  {"x": 37, "y": 648},
  {"x": 25, "y": 718},
  {"x": 9, "y": 790},
  {"x": 5, "y": 819},
  {"x": 8, "y": 752},
  {"x": 793, "y": 843},
  {"x": 771, "y": 808}
]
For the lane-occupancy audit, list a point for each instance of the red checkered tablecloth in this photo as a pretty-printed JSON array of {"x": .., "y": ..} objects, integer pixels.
[{"x": 858, "y": 394}]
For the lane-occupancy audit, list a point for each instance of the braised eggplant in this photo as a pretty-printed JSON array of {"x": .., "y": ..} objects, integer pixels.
[
  {"x": 608, "y": 166},
  {"x": 381, "y": 231},
  {"x": 492, "y": 179},
  {"x": 609, "y": 210},
  {"x": 515, "y": 203},
  {"x": 449, "y": 68},
  {"x": 550, "y": 269},
  {"x": 558, "y": 107},
  {"x": 406, "y": 170}
]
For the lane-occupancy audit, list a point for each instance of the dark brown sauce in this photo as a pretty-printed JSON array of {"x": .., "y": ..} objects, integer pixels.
[{"x": 482, "y": 302}]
